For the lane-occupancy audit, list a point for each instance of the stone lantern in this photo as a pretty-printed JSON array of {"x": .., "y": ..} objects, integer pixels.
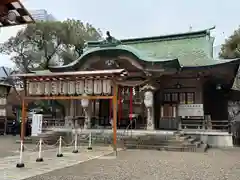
[
  {"x": 148, "y": 102},
  {"x": 85, "y": 104}
]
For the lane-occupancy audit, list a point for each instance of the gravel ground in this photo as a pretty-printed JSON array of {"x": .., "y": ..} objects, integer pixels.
[{"x": 155, "y": 165}]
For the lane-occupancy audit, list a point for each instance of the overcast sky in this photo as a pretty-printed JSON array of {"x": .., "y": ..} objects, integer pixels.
[{"x": 138, "y": 18}]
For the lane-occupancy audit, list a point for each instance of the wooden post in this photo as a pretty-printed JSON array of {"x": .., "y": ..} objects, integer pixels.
[
  {"x": 115, "y": 94},
  {"x": 23, "y": 120}
]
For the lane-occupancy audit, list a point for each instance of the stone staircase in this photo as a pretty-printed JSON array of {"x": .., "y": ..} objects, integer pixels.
[
  {"x": 176, "y": 142},
  {"x": 168, "y": 142}
]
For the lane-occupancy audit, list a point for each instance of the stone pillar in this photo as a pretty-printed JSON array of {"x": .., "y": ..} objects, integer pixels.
[
  {"x": 148, "y": 102},
  {"x": 88, "y": 116},
  {"x": 86, "y": 104},
  {"x": 69, "y": 114}
]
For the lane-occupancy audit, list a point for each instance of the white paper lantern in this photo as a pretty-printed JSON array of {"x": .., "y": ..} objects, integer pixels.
[
  {"x": 97, "y": 87},
  {"x": 54, "y": 89},
  {"x": 84, "y": 102},
  {"x": 41, "y": 88},
  {"x": 107, "y": 87},
  {"x": 88, "y": 86},
  {"x": 60, "y": 87},
  {"x": 47, "y": 88},
  {"x": 30, "y": 88},
  {"x": 71, "y": 87},
  {"x": 79, "y": 87},
  {"x": 65, "y": 87},
  {"x": 38, "y": 88}
]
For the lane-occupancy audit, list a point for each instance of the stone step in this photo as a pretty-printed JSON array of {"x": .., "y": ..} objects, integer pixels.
[{"x": 163, "y": 147}]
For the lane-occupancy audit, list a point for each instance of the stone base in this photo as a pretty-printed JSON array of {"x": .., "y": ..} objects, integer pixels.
[
  {"x": 213, "y": 138},
  {"x": 20, "y": 165},
  {"x": 75, "y": 151},
  {"x": 150, "y": 128},
  {"x": 39, "y": 160},
  {"x": 59, "y": 155}
]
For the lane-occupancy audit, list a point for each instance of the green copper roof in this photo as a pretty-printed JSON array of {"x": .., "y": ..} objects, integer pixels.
[
  {"x": 119, "y": 50},
  {"x": 191, "y": 49}
]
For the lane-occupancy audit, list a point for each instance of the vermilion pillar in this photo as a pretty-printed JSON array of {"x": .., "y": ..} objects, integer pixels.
[
  {"x": 131, "y": 104},
  {"x": 110, "y": 109},
  {"x": 119, "y": 105}
]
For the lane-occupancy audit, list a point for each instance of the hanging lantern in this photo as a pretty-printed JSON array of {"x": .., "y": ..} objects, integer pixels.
[
  {"x": 47, "y": 88},
  {"x": 30, "y": 88},
  {"x": 41, "y": 88},
  {"x": 65, "y": 87},
  {"x": 97, "y": 87},
  {"x": 107, "y": 88},
  {"x": 71, "y": 87},
  {"x": 79, "y": 87},
  {"x": 89, "y": 86},
  {"x": 54, "y": 88},
  {"x": 84, "y": 102},
  {"x": 37, "y": 87},
  {"x": 60, "y": 87}
]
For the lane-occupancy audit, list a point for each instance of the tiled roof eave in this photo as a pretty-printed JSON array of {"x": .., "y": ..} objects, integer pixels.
[{"x": 214, "y": 64}]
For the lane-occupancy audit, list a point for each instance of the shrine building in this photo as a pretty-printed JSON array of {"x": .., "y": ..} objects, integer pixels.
[{"x": 168, "y": 82}]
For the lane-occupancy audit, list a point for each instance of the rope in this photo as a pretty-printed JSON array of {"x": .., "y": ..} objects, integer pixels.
[
  {"x": 50, "y": 146},
  {"x": 84, "y": 138},
  {"x": 66, "y": 144},
  {"x": 33, "y": 149}
]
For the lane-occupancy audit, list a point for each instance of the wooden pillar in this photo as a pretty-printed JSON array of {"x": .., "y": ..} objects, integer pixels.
[
  {"x": 115, "y": 94},
  {"x": 23, "y": 120}
]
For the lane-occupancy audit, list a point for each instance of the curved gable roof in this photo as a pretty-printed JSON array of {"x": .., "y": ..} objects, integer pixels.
[{"x": 117, "y": 50}]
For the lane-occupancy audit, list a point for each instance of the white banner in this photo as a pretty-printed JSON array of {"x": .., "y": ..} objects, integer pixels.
[{"x": 37, "y": 124}]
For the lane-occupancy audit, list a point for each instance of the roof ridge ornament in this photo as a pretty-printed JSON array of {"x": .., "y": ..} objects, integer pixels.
[{"x": 110, "y": 41}]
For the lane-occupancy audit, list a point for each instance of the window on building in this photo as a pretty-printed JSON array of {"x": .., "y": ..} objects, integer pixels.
[
  {"x": 170, "y": 101},
  {"x": 179, "y": 98}
]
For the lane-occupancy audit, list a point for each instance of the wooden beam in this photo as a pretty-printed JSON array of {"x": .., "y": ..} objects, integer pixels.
[{"x": 66, "y": 97}]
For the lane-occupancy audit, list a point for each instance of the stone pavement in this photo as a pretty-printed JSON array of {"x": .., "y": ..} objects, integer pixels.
[{"x": 8, "y": 170}]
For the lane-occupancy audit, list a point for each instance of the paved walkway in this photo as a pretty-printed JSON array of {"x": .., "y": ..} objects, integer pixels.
[{"x": 8, "y": 170}]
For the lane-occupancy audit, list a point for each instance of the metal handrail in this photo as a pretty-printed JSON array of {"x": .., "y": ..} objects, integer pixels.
[{"x": 129, "y": 125}]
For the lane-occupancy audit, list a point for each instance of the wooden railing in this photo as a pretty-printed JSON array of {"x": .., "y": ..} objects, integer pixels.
[{"x": 222, "y": 125}]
